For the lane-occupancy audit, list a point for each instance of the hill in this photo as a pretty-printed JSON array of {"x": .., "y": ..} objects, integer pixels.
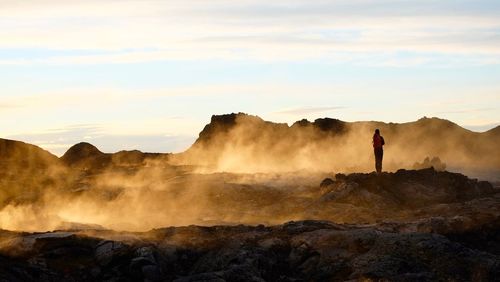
[
  {"x": 88, "y": 157},
  {"x": 26, "y": 171},
  {"x": 241, "y": 142}
]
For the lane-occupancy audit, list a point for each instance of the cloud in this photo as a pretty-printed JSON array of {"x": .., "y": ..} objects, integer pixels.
[
  {"x": 467, "y": 111},
  {"x": 307, "y": 110},
  {"x": 122, "y": 111},
  {"x": 482, "y": 127},
  {"x": 331, "y": 31},
  {"x": 90, "y": 98},
  {"x": 7, "y": 106}
]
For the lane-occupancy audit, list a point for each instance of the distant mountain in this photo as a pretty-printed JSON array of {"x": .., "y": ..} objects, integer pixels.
[
  {"x": 241, "y": 142},
  {"x": 27, "y": 168},
  {"x": 21, "y": 154},
  {"x": 27, "y": 171},
  {"x": 246, "y": 143},
  {"x": 494, "y": 132},
  {"x": 87, "y": 156}
]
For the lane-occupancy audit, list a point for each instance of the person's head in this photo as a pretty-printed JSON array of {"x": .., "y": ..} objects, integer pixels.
[{"x": 377, "y": 131}]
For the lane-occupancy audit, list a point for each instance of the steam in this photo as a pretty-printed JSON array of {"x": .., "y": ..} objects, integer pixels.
[
  {"x": 152, "y": 198},
  {"x": 139, "y": 201},
  {"x": 250, "y": 172},
  {"x": 252, "y": 145}
]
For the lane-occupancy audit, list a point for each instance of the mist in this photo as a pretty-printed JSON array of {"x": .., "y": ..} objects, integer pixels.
[
  {"x": 241, "y": 170},
  {"x": 247, "y": 144}
]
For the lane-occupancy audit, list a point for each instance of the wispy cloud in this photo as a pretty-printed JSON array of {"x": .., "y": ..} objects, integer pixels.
[
  {"x": 307, "y": 110},
  {"x": 7, "y": 106},
  {"x": 333, "y": 31},
  {"x": 467, "y": 111},
  {"x": 482, "y": 127}
]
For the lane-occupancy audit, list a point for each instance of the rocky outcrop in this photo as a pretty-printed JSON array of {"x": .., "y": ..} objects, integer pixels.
[
  {"x": 294, "y": 251},
  {"x": 86, "y": 155},
  {"x": 405, "y": 195},
  {"x": 331, "y": 144},
  {"x": 435, "y": 163},
  {"x": 404, "y": 189}
]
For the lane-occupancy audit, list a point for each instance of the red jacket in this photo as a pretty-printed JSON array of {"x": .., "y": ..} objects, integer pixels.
[{"x": 378, "y": 141}]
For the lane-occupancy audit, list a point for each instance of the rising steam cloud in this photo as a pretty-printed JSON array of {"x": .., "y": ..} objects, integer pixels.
[
  {"x": 236, "y": 172},
  {"x": 243, "y": 143}
]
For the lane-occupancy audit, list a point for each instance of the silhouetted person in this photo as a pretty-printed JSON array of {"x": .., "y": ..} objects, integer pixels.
[{"x": 378, "y": 148}]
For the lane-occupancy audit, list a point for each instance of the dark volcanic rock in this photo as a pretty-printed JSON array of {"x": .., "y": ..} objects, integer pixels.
[
  {"x": 404, "y": 189},
  {"x": 311, "y": 144},
  {"x": 86, "y": 155},
  {"x": 428, "y": 163},
  {"x": 218, "y": 124},
  {"x": 295, "y": 251},
  {"x": 329, "y": 124},
  {"x": 326, "y": 182}
]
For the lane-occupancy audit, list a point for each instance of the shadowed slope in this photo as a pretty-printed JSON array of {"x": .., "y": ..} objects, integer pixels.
[
  {"x": 20, "y": 154},
  {"x": 85, "y": 155},
  {"x": 26, "y": 171}
]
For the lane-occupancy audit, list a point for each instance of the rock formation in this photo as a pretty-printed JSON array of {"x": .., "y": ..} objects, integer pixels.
[
  {"x": 294, "y": 251},
  {"x": 331, "y": 144}
]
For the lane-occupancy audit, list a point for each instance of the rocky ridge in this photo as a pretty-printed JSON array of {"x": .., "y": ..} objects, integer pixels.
[{"x": 330, "y": 144}]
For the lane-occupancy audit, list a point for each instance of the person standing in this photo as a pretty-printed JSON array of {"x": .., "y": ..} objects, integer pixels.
[{"x": 378, "y": 143}]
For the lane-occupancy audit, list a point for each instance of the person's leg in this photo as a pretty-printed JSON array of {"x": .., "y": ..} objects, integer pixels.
[
  {"x": 379, "y": 164},
  {"x": 381, "y": 158},
  {"x": 378, "y": 160}
]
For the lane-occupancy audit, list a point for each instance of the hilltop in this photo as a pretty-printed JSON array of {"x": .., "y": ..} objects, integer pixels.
[{"x": 241, "y": 142}]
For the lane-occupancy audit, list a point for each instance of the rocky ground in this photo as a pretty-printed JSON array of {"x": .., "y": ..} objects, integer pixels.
[
  {"x": 420, "y": 225},
  {"x": 295, "y": 251}
]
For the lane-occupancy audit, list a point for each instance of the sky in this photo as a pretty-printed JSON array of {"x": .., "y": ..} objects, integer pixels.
[{"x": 148, "y": 75}]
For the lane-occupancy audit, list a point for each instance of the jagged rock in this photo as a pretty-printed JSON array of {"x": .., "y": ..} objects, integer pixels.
[
  {"x": 107, "y": 251},
  {"x": 85, "y": 155},
  {"x": 326, "y": 182},
  {"x": 340, "y": 176},
  {"x": 404, "y": 189},
  {"x": 205, "y": 277},
  {"x": 310, "y": 144},
  {"x": 428, "y": 163},
  {"x": 295, "y": 251}
]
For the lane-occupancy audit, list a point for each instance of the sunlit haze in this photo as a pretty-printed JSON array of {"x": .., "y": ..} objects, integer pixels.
[
  {"x": 249, "y": 140},
  {"x": 148, "y": 75}
]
